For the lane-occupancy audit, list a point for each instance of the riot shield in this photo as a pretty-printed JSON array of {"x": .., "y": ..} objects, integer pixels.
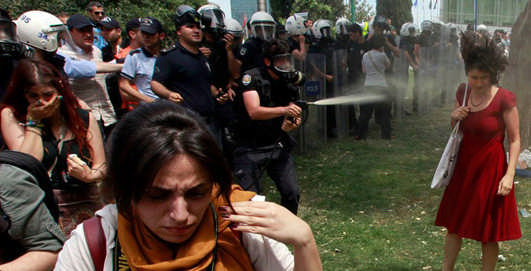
[
  {"x": 312, "y": 134},
  {"x": 426, "y": 79},
  {"x": 400, "y": 79},
  {"x": 340, "y": 84}
]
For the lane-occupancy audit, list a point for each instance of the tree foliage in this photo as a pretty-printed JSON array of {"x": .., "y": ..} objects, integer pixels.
[
  {"x": 121, "y": 10},
  {"x": 364, "y": 11},
  {"x": 281, "y": 9},
  {"x": 320, "y": 9},
  {"x": 398, "y": 10}
]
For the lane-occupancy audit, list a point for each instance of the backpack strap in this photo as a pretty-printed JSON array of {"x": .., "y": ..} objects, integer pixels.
[
  {"x": 96, "y": 241},
  {"x": 34, "y": 167}
]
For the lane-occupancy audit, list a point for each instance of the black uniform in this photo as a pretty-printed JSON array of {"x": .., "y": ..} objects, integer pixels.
[
  {"x": 355, "y": 51},
  {"x": 225, "y": 116},
  {"x": 326, "y": 47},
  {"x": 189, "y": 74},
  {"x": 252, "y": 54},
  {"x": 263, "y": 145},
  {"x": 425, "y": 40},
  {"x": 111, "y": 80},
  {"x": 293, "y": 44},
  {"x": 6, "y": 69}
]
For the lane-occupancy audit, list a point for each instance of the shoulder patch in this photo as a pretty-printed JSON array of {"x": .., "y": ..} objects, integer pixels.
[
  {"x": 243, "y": 51},
  {"x": 246, "y": 79}
]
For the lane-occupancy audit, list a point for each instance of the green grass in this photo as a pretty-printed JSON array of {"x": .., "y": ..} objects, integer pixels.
[{"x": 371, "y": 208}]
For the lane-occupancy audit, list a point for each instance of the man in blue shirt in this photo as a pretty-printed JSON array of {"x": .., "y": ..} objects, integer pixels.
[
  {"x": 139, "y": 64},
  {"x": 96, "y": 14}
]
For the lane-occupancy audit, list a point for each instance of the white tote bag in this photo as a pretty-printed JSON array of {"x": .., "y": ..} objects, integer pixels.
[{"x": 445, "y": 169}]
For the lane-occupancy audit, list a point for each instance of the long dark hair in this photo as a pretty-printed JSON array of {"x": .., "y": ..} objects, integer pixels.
[
  {"x": 148, "y": 138},
  {"x": 481, "y": 52},
  {"x": 30, "y": 73}
]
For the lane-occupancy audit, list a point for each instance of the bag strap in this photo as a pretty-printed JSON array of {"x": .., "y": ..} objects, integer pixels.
[
  {"x": 96, "y": 241},
  {"x": 462, "y": 104},
  {"x": 373, "y": 64}
]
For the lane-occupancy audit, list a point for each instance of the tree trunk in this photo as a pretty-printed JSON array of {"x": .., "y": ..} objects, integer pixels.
[{"x": 516, "y": 77}]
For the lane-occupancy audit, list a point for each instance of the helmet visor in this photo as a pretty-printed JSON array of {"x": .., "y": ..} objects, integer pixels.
[
  {"x": 283, "y": 63},
  {"x": 325, "y": 32},
  {"x": 60, "y": 33},
  {"x": 212, "y": 18},
  {"x": 342, "y": 29},
  {"x": 264, "y": 31},
  {"x": 7, "y": 30}
]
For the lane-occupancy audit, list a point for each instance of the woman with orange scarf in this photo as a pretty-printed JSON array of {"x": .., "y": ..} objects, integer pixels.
[{"x": 176, "y": 207}]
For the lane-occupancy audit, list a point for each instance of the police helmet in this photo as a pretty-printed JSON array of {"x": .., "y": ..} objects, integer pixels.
[
  {"x": 321, "y": 29},
  {"x": 482, "y": 28},
  {"x": 212, "y": 17},
  {"x": 407, "y": 30},
  {"x": 381, "y": 22},
  {"x": 263, "y": 26},
  {"x": 295, "y": 25},
  {"x": 426, "y": 25},
  {"x": 186, "y": 14},
  {"x": 39, "y": 29},
  {"x": 233, "y": 27},
  {"x": 453, "y": 28},
  {"x": 342, "y": 26}
]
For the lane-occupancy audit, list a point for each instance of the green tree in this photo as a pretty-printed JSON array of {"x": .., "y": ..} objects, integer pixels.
[
  {"x": 364, "y": 11},
  {"x": 399, "y": 11},
  {"x": 121, "y": 10},
  {"x": 281, "y": 9},
  {"x": 320, "y": 9}
]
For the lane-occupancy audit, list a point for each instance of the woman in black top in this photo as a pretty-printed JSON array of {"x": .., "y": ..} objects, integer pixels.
[{"x": 40, "y": 116}]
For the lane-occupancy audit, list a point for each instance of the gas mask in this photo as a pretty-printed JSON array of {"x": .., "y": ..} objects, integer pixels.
[
  {"x": 283, "y": 66},
  {"x": 9, "y": 47}
]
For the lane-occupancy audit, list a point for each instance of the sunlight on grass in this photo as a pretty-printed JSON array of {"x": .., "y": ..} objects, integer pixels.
[{"x": 371, "y": 208}]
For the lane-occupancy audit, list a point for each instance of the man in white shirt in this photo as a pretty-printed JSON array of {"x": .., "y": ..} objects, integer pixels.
[{"x": 91, "y": 90}]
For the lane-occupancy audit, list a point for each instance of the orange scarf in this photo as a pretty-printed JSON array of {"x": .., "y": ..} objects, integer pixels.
[{"x": 145, "y": 252}]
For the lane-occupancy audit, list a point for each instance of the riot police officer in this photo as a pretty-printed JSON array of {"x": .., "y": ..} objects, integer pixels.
[
  {"x": 225, "y": 68},
  {"x": 342, "y": 33},
  {"x": 266, "y": 113},
  {"x": 10, "y": 50},
  {"x": 234, "y": 28},
  {"x": 324, "y": 44},
  {"x": 263, "y": 28},
  {"x": 296, "y": 37},
  {"x": 42, "y": 33}
]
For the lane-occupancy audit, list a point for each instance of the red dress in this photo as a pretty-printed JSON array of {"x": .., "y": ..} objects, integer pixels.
[{"x": 470, "y": 207}]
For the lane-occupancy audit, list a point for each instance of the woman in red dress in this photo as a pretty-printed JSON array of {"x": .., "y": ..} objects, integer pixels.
[{"x": 479, "y": 202}]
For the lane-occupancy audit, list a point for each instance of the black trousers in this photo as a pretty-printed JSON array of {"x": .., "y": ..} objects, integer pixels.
[
  {"x": 382, "y": 114},
  {"x": 251, "y": 163}
]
